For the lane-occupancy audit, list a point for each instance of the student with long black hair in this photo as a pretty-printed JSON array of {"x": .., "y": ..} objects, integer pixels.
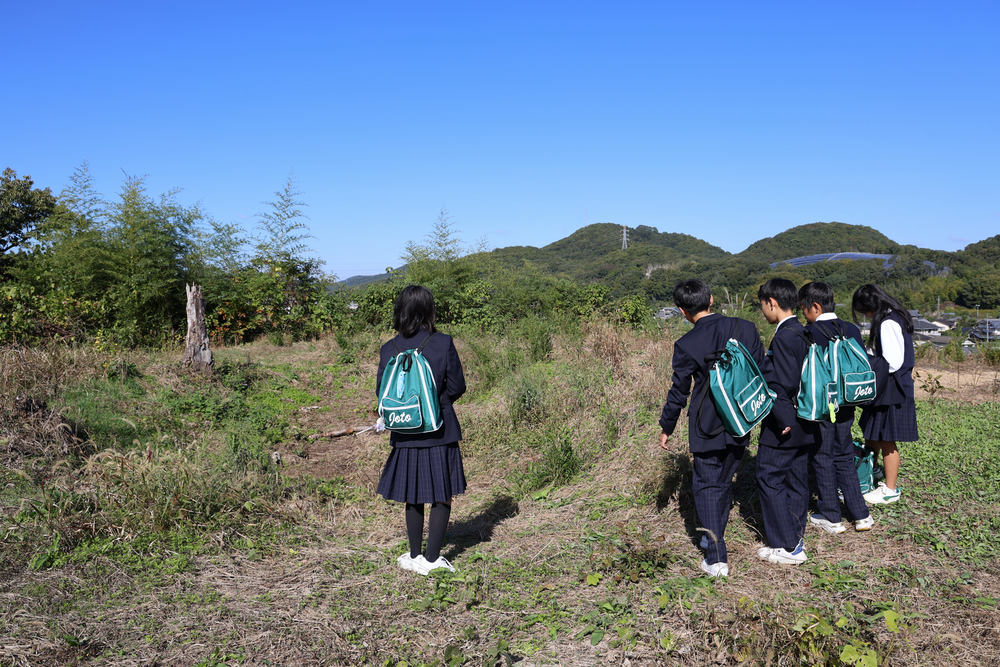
[
  {"x": 892, "y": 417},
  {"x": 424, "y": 467}
]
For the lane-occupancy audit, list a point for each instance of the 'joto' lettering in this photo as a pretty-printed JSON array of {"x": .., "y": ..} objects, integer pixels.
[
  {"x": 756, "y": 403},
  {"x": 863, "y": 391},
  {"x": 399, "y": 418}
]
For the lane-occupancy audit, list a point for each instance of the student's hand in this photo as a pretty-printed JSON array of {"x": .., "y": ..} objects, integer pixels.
[
  {"x": 788, "y": 429},
  {"x": 664, "y": 438}
]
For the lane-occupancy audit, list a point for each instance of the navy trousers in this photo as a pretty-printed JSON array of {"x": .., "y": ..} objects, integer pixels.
[
  {"x": 833, "y": 465},
  {"x": 783, "y": 485},
  {"x": 712, "y": 483}
]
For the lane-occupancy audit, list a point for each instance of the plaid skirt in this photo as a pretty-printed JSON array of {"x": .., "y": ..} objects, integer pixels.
[
  {"x": 422, "y": 475},
  {"x": 890, "y": 423}
]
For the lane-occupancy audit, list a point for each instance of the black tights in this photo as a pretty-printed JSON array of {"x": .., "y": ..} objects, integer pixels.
[{"x": 440, "y": 513}]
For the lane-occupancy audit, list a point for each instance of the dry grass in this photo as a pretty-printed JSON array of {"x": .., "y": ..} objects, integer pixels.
[{"x": 316, "y": 584}]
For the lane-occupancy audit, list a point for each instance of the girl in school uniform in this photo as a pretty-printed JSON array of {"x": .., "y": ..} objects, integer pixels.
[
  {"x": 424, "y": 468},
  {"x": 892, "y": 417}
]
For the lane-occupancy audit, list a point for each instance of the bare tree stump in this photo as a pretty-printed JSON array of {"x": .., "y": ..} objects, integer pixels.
[{"x": 197, "y": 355}]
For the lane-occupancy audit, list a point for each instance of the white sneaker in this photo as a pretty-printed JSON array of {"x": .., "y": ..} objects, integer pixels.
[
  {"x": 714, "y": 570},
  {"x": 862, "y": 525},
  {"x": 422, "y": 566},
  {"x": 828, "y": 526},
  {"x": 882, "y": 495},
  {"x": 783, "y": 556},
  {"x": 407, "y": 563}
]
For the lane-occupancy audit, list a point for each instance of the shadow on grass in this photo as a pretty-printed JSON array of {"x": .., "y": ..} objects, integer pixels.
[
  {"x": 746, "y": 496},
  {"x": 676, "y": 483},
  {"x": 479, "y": 527}
]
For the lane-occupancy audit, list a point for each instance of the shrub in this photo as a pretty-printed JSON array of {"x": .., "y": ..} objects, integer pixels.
[
  {"x": 526, "y": 397},
  {"x": 990, "y": 354}
]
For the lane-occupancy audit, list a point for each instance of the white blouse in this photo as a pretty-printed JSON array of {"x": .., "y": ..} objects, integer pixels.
[{"x": 891, "y": 335}]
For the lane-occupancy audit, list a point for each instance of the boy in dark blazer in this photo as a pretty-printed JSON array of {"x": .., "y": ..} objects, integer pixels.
[
  {"x": 785, "y": 440},
  {"x": 833, "y": 453},
  {"x": 716, "y": 453}
]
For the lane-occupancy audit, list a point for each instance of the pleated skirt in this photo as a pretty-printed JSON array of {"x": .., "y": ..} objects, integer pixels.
[
  {"x": 422, "y": 475},
  {"x": 890, "y": 423}
]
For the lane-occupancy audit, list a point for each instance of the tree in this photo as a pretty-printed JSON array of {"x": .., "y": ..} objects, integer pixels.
[{"x": 22, "y": 209}]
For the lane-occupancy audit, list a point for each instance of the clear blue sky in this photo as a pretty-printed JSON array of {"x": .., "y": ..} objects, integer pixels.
[{"x": 730, "y": 121}]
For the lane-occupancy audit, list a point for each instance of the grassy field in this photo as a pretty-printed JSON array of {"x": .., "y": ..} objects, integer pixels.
[{"x": 152, "y": 517}]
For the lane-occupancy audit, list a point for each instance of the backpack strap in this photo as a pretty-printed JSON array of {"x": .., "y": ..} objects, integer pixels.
[{"x": 408, "y": 362}]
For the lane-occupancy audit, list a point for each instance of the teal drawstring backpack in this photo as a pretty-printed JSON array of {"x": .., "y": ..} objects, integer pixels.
[
  {"x": 817, "y": 397},
  {"x": 409, "y": 399},
  {"x": 738, "y": 389}
]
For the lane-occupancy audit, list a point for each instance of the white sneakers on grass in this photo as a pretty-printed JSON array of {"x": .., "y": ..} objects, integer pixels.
[
  {"x": 421, "y": 566},
  {"x": 862, "y": 525},
  {"x": 714, "y": 570},
  {"x": 882, "y": 495},
  {"x": 783, "y": 556},
  {"x": 829, "y": 526}
]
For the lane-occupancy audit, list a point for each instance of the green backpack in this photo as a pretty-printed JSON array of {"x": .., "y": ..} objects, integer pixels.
[
  {"x": 864, "y": 462},
  {"x": 854, "y": 375},
  {"x": 738, "y": 389},
  {"x": 817, "y": 397},
  {"x": 409, "y": 399}
]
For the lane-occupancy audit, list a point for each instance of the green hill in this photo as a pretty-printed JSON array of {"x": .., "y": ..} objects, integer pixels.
[
  {"x": 820, "y": 237},
  {"x": 595, "y": 252}
]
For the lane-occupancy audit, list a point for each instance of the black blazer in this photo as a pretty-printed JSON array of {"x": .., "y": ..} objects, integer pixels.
[
  {"x": 708, "y": 336},
  {"x": 783, "y": 372},
  {"x": 443, "y": 358}
]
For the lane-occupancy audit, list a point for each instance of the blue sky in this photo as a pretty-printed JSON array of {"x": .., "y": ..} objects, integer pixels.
[{"x": 729, "y": 121}]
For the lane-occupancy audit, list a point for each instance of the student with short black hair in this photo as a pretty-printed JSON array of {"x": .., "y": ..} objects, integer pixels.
[
  {"x": 785, "y": 440},
  {"x": 833, "y": 453},
  {"x": 892, "y": 417},
  {"x": 424, "y": 467},
  {"x": 716, "y": 453}
]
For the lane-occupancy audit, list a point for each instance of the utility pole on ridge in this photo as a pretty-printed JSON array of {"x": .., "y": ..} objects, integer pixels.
[{"x": 624, "y": 237}]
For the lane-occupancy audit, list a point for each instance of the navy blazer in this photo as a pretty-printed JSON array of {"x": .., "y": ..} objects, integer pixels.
[
  {"x": 708, "y": 336},
  {"x": 447, "y": 368},
  {"x": 783, "y": 372}
]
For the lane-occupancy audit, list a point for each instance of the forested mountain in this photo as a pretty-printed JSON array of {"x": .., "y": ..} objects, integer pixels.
[
  {"x": 820, "y": 237},
  {"x": 595, "y": 252}
]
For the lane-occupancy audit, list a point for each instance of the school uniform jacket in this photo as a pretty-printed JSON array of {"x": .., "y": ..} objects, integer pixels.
[
  {"x": 691, "y": 367},
  {"x": 447, "y": 368},
  {"x": 783, "y": 372}
]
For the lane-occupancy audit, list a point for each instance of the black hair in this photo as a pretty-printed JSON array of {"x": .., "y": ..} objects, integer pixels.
[
  {"x": 781, "y": 290},
  {"x": 873, "y": 299},
  {"x": 414, "y": 311},
  {"x": 692, "y": 295},
  {"x": 817, "y": 292}
]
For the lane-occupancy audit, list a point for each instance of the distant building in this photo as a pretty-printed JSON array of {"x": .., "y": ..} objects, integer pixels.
[
  {"x": 986, "y": 330},
  {"x": 922, "y": 326},
  {"x": 668, "y": 313}
]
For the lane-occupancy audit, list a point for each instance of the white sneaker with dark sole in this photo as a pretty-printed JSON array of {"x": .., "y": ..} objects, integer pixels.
[
  {"x": 829, "y": 526},
  {"x": 715, "y": 570}
]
